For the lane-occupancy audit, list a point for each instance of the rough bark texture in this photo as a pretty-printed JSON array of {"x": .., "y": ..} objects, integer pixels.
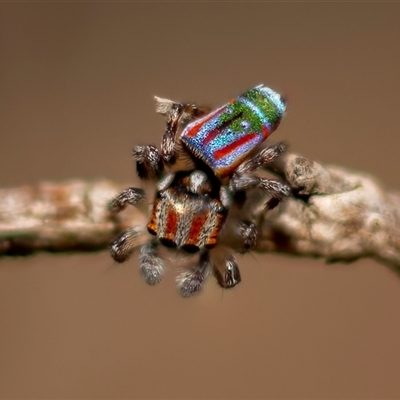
[
  {"x": 67, "y": 216},
  {"x": 334, "y": 213}
]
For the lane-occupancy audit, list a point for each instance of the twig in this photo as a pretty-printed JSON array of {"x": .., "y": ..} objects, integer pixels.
[
  {"x": 334, "y": 213},
  {"x": 66, "y": 216}
]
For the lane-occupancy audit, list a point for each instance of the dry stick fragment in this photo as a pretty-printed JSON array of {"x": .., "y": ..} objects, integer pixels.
[
  {"x": 67, "y": 216},
  {"x": 334, "y": 213}
]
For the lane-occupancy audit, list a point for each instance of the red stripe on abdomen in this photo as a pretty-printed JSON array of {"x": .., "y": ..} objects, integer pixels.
[
  {"x": 210, "y": 136},
  {"x": 193, "y": 131},
  {"x": 265, "y": 131},
  {"x": 218, "y": 154}
]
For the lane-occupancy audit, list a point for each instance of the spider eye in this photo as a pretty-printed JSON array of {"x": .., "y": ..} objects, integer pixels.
[
  {"x": 168, "y": 243},
  {"x": 190, "y": 248},
  {"x": 245, "y": 124}
]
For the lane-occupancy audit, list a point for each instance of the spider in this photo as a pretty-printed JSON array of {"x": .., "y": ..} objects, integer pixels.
[{"x": 203, "y": 177}]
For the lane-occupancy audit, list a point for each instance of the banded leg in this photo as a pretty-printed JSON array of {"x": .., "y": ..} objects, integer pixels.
[
  {"x": 192, "y": 281},
  {"x": 244, "y": 179},
  {"x": 124, "y": 245},
  {"x": 168, "y": 141},
  {"x": 176, "y": 113},
  {"x": 226, "y": 271},
  {"x": 276, "y": 189},
  {"x": 262, "y": 159},
  {"x": 149, "y": 163},
  {"x": 131, "y": 196},
  {"x": 151, "y": 264},
  {"x": 240, "y": 236},
  {"x": 248, "y": 234}
]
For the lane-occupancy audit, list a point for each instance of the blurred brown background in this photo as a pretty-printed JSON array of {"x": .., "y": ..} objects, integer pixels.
[{"x": 76, "y": 84}]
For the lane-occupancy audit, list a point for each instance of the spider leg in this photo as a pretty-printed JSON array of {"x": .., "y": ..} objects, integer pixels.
[
  {"x": 122, "y": 247},
  {"x": 240, "y": 235},
  {"x": 225, "y": 269},
  {"x": 149, "y": 163},
  {"x": 168, "y": 141},
  {"x": 177, "y": 114},
  {"x": 191, "y": 281},
  {"x": 262, "y": 159},
  {"x": 245, "y": 179},
  {"x": 248, "y": 235},
  {"x": 151, "y": 264},
  {"x": 242, "y": 238},
  {"x": 131, "y": 196},
  {"x": 276, "y": 189}
]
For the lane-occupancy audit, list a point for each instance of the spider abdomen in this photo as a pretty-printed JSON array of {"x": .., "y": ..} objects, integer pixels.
[{"x": 224, "y": 138}]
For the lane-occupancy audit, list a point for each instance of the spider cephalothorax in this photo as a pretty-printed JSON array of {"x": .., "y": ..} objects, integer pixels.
[{"x": 201, "y": 203}]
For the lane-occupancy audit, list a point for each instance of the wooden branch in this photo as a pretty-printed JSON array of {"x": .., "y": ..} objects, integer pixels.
[
  {"x": 69, "y": 216},
  {"x": 334, "y": 213}
]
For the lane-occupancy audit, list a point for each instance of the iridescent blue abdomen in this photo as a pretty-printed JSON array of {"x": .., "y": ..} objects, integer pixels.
[{"x": 224, "y": 138}]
